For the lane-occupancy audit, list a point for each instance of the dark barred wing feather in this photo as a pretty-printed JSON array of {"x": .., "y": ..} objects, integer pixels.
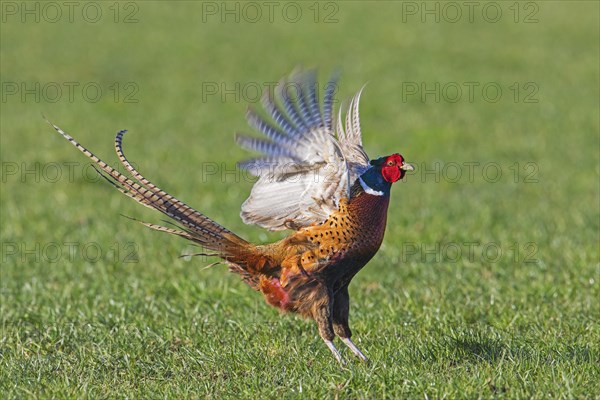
[{"x": 308, "y": 162}]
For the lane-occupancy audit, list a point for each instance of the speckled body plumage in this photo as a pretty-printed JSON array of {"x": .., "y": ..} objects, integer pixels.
[
  {"x": 330, "y": 253},
  {"x": 314, "y": 178}
]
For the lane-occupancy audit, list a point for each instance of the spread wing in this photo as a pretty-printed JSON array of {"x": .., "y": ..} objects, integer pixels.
[{"x": 308, "y": 161}]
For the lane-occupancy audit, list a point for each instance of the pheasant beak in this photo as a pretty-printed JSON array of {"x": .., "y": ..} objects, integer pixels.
[{"x": 407, "y": 167}]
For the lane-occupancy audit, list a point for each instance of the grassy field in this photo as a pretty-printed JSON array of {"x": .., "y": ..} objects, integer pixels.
[{"x": 487, "y": 284}]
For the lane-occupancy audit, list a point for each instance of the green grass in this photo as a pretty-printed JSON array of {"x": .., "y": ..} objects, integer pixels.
[{"x": 435, "y": 324}]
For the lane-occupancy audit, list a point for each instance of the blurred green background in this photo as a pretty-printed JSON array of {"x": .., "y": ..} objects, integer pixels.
[{"x": 485, "y": 286}]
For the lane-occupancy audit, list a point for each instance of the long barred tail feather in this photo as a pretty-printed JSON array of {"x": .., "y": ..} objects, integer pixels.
[
  {"x": 160, "y": 228},
  {"x": 120, "y": 188},
  {"x": 194, "y": 225}
]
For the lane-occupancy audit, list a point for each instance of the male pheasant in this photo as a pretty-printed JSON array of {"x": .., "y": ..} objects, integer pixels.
[{"x": 314, "y": 178}]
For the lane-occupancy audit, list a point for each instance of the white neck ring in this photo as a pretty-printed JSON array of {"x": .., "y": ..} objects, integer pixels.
[{"x": 368, "y": 189}]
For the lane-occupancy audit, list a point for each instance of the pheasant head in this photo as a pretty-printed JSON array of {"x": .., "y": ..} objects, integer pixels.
[{"x": 384, "y": 171}]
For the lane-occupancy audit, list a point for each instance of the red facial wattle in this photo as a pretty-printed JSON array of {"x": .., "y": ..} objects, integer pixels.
[
  {"x": 391, "y": 174},
  {"x": 390, "y": 170}
]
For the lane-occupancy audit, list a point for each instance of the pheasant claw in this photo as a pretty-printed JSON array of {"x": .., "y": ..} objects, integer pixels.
[
  {"x": 348, "y": 342},
  {"x": 335, "y": 351}
]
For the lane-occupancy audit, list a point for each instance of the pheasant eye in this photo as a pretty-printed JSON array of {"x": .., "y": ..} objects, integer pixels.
[{"x": 390, "y": 163}]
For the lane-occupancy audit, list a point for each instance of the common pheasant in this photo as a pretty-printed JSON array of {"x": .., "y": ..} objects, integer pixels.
[{"x": 314, "y": 178}]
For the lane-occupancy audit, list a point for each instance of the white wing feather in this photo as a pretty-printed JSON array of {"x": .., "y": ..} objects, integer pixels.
[{"x": 307, "y": 166}]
